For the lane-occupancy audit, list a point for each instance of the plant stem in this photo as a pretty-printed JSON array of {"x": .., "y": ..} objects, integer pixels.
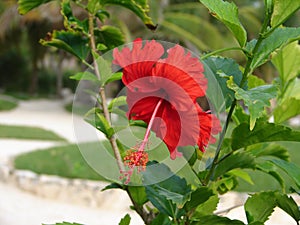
[
  {"x": 112, "y": 139},
  {"x": 219, "y": 51},
  {"x": 248, "y": 70}
]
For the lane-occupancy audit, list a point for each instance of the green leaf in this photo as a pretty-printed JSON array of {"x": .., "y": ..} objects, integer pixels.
[
  {"x": 72, "y": 42},
  {"x": 241, "y": 174},
  {"x": 113, "y": 186},
  {"x": 110, "y": 36},
  {"x": 287, "y": 62},
  {"x": 116, "y": 102},
  {"x": 269, "y": 149},
  {"x": 85, "y": 76},
  {"x": 114, "y": 77},
  {"x": 254, "y": 81},
  {"x": 288, "y": 205},
  {"x": 168, "y": 194},
  {"x": 226, "y": 183},
  {"x": 101, "y": 124},
  {"x": 222, "y": 68},
  {"x": 238, "y": 160},
  {"x": 239, "y": 116},
  {"x": 217, "y": 220},
  {"x": 279, "y": 38},
  {"x": 207, "y": 207},
  {"x": 262, "y": 132},
  {"x": 138, "y": 194},
  {"x": 291, "y": 169},
  {"x": 161, "y": 219},
  {"x": 139, "y": 7},
  {"x": 260, "y": 206},
  {"x": 104, "y": 67},
  {"x": 228, "y": 14},
  {"x": 125, "y": 220},
  {"x": 283, "y": 10},
  {"x": 256, "y": 99},
  {"x": 287, "y": 109},
  {"x": 26, "y": 5},
  {"x": 70, "y": 21},
  {"x": 198, "y": 197}
]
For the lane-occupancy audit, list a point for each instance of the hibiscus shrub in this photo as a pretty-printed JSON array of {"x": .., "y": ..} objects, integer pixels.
[{"x": 170, "y": 146}]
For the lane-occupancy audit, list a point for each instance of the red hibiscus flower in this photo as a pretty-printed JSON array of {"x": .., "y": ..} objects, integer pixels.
[{"x": 163, "y": 92}]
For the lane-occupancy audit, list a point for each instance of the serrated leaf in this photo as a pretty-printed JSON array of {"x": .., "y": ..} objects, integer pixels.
[
  {"x": 227, "y": 13},
  {"x": 287, "y": 62},
  {"x": 72, "y": 42},
  {"x": 279, "y": 38},
  {"x": 125, "y": 220},
  {"x": 85, "y": 76},
  {"x": 26, "y": 5},
  {"x": 238, "y": 160},
  {"x": 262, "y": 132},
  {"x": 198, "y": 197},
  {"x": 283, "y": 10},
  {"x": 291, "y": 169},
  {"x": 260, "y": 206},
  {"x": 256, "y": 99},
  {"x": 217, "y": 220},
  {"x": 207, "y": 207},
  {"x": 222, "y": 68},
  {"x": 139, "y": 7},
  {"x": 288, "y": 205},
  {"x": 104, "y": 67}
]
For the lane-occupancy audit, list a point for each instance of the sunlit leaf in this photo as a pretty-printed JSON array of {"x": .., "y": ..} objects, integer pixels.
[
  {"x": 279, "y": 38},
  {"x": 125, "y": 220},
  {"x": 26, "y": 5},
  {"x": 289, "y": 108},
  {"x": 260, "y": 206},
  {"x": 256, "y": 99},
  {"x": 85, "y": 76},
  {"x": 262, "y": 132},
  {"x": 228, "y": 14},
  {"x": 283, "y": 10},
  {"x": 269, "y": 149}
]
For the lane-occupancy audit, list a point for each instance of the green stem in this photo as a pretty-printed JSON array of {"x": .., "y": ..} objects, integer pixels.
[
  {"x": 221, "y": 50},
  {"x": 248, "y": 70},
  {"x": 112, "y": 139}
]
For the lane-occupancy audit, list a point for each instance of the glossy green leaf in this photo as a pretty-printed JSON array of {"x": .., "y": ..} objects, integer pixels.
[
  {"x": 161, "y": 219},
  {"x": 207, "y": 207},
  {"x": 138, "y": 194},
  {"x": 291, "y": 169},
  {"x": 222, "y": 68},
  {"x": 287, "y": 62},
  {"x": 228, "y": 14},
  {"x": 227, "y": 183},
  {"x": 262, "y": 132},
  {"x": 26, "y": 5},
  {"x": 238, "y": 160},
  {"x": 260, "y": 206},
  {"x": 276, "y": 40},
  {"x": 283, "y": 10},
  {"x": 288, "y": 205},
  {"x": 104, "y": 67},
  {"x": 217, "y": 220},
  {"x": 256, "y": 99},
  {"x": 139, "y": 7},
  {"x": 110, "y": 36},
  {"x": 85, "y": 76},
  {"x": 241, "y": 174},
  {"x": 72, "y": 42},
  {"x": 125, "y": 220}
]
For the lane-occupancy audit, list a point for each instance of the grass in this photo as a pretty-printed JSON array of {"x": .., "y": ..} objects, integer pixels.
[
  {"x": 26, "y": 132},
  {"x": 66, "y": 161},
  {"x": 7, "y": 104}
]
